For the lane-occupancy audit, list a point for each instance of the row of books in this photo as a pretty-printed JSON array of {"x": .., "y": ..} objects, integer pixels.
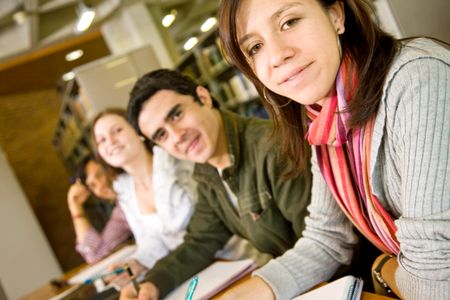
[
  {"x": 212, "y": 59},
  {"x": 82, "y": 108},
  {"x": 237, "y": 89},
  {"x": 69, "y": 136}
]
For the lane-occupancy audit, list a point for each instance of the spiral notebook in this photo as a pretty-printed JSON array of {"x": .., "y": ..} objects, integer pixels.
[
  {"x": 215, "y": 278},
  {"x": 345, "y": 288}
]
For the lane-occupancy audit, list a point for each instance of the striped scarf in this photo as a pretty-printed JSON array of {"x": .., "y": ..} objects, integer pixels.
[{"x": 343, "y": 156}]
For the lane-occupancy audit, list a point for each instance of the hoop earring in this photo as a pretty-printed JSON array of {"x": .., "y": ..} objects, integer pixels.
[
  {"x": 273, "y": 103},
  {"x": 339, "y": 46}
]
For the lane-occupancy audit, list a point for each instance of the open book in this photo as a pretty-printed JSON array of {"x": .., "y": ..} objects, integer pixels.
[
  {"x": 214, "y": 278},
  {"x": 345, "y": 288}
]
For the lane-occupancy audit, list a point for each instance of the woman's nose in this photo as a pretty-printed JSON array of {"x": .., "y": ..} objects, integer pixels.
[
  {"x": 279, "y": 52},
  {"x": 111, "y": 139}
]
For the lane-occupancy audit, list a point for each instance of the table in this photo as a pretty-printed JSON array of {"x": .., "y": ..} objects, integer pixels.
[
  {"x": 47, "y": 291},
  {"x": 365, "y": 295},
  {"x": 50, "y": 290}
]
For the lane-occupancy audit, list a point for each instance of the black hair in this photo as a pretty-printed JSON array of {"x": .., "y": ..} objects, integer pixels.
[
  {"x": 81, "y": 168},
  {"x": 151, "y": 83}
]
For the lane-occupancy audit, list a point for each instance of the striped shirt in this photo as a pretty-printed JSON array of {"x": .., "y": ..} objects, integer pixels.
[{"x": 97, "y": 245}]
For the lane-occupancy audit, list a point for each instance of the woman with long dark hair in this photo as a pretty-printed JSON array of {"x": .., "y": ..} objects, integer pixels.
[{"x": 375, "y": 111}]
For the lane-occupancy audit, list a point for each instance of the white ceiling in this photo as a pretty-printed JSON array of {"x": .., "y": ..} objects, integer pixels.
[{"x": 50, "y": 21}]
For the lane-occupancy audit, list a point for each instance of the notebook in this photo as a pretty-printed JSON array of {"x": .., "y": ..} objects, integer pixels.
[
  {"x": 345, "y": 288},
  {"x": 214, "y": 278},
  {"x": 102, "y": 266}
]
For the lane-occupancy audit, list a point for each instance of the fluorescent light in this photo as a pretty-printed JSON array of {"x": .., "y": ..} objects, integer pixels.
[
  {"x": 74, "y": 55},
  {"x": 68, "y": 76},
  {"x": 190, "y": 43},
  {"x": 20, "y": 17},
  {"x": 128, "y": 81},
  {"x": 208, "y": 24},
  {"x": 168, "y": 19},
  {"x": 85, "y": 20},
  {"x": 117, "y": 62}
]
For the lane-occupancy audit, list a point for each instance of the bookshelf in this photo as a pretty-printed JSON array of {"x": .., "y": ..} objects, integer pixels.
[
  {"x": 71, "y": 140},
  {"x": 97, "y": 85},
  {"x": 206, "y": 65}
]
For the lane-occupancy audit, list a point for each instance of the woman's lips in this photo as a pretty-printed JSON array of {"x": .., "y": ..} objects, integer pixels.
[
  {"x": 294, "y": 76},
  {"x": 115, "y": 150}
]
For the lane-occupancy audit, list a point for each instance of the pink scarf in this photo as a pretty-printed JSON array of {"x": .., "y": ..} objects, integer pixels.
[{"x": 343, "y": 156}]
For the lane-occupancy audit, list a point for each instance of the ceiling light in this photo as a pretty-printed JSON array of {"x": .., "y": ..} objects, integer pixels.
[
  {"x": 86, "y": 17},
  {"x": 68, "y": 76},
  {"x": 190, "y": 43},
  {"x": 20, "y": 17},
  {"x": 76, "y": 54},
  {"x": 168, "y": 19},
  {"x": 208, "y": 24}
]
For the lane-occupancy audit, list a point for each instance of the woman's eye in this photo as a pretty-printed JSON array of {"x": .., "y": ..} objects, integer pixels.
[
  {"x": 289, "y": 23},
  {"x": 100, "y": 141},
  {"x": 254, "y": 49}
]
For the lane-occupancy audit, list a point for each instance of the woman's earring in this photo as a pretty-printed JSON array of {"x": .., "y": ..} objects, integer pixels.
[
  {"x": 271, "y": 102},
  {"x": 338, "y": 38},
  {"x": 142, "y": 138}
]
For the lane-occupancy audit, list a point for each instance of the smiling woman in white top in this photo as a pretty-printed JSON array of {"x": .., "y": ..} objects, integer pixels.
[{"x": 154, "y": 190}]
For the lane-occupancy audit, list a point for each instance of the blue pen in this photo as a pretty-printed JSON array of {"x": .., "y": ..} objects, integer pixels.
[
  {"x": 191, "y": 288},
  {"x": 115, "y": 272}
]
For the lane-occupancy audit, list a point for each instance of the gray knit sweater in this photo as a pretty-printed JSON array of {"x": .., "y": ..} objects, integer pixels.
[{"x": 410, "y": 175}]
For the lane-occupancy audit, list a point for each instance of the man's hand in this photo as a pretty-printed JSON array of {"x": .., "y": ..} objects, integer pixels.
[
  {"x": 123, "y": 279},
  {"x": 148, "y": 291},
  {"x": 254, "y": 288},
  {"x": 76, "y": 196}
]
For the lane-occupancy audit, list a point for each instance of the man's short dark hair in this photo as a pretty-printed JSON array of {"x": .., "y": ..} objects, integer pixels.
[{"x": 151, "y": 83}]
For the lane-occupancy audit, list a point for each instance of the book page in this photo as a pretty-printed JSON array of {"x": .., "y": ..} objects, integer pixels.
[
  {"x": 214, "y": 278},
  {"x": 345, "y": 288}
]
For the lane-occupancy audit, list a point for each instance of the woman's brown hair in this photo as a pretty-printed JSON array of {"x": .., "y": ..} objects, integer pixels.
[
  {"x": 370, "y": 49},
  {"x": 112, "y": 171}
]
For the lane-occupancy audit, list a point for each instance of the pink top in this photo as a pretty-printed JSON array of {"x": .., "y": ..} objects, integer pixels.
[{"x": 97, "y": 245}]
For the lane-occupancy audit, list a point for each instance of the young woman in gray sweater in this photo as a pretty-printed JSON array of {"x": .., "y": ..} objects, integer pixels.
[{"x": 376, "y": 113}]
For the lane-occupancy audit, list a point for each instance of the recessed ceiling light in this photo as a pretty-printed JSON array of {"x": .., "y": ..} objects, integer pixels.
[
  {"x": 76, "y": 54},
  {"x": 168, "y": 19},
  {"x": 208, "y": 24},
  {"x": 86, "y": 18},
  {"x": 191, "y": 42},
  {"x": 68, "y": 76}
]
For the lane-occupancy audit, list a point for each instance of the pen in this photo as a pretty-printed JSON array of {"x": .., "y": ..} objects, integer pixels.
[
  {"x": 191, "y": 288},
  {"x": 133, "y": 279},
  {"x": 115, "y": 272}
]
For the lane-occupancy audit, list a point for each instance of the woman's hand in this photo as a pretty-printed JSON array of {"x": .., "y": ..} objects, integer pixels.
[
  {"x": 254, "y": 288},
  {"x": 148, "y": 291},
  {"x": 76, "y": 196}
]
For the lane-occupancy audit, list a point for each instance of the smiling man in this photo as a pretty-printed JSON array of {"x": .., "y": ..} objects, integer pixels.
[{"x": 241, "y": 189}]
